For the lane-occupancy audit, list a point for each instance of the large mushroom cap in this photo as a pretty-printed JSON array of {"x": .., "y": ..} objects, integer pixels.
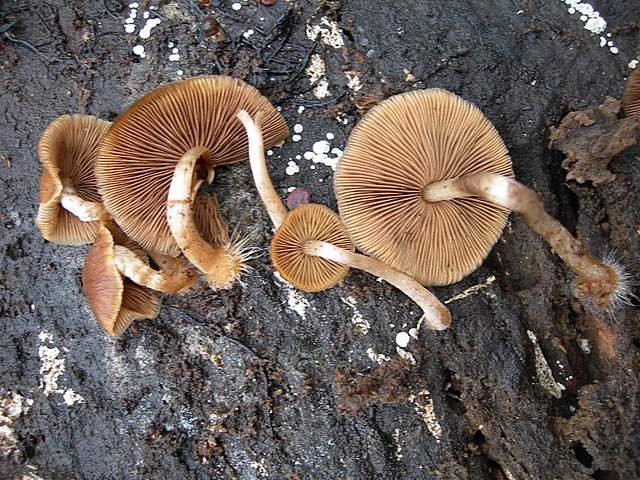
[
  {"x": 68, "y": 150},
  {"x": 631, "y": 97},
  {"x": 402, "y": 145},
  {"x": 307, "y": 272},
  {"x": 138, "y": 156},
  {"x": 115, "y": 301}
]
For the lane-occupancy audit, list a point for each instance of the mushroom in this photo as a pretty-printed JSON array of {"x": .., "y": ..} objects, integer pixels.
[
  {"x": 174, "y": 276},
  {"x": 425, "y": 184},
  {"x": 115, "y": 300},
  {"x": 139, "y": 155},
  {"x": 222, "y": 265},
  {"x": 631, "y": 96},
  {"x": 311, "y": 248},
  {"x": 70, "y": 205}
]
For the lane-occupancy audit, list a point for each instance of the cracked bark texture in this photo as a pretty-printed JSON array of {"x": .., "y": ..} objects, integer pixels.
[{"x": 236, "y": 384}]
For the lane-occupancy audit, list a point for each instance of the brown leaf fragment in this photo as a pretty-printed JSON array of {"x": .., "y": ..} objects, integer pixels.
[{"x": 591, "y": 138}]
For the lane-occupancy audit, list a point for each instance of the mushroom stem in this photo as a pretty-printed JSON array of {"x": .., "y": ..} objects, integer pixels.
[
  {"x": 436, "y": 314},
  {"x": 135, "y": 269},
  {"x": 594, "y": 277},
  {"x": 221, "y": 266},
  {"x": 276, "y": 209},
  {"x": 83, "y": 209}
]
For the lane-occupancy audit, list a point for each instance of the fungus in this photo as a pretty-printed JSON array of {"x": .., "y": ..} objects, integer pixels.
[
  {"x": 70, "y": 205},
  {"x": 138, "y": 156},
  {"x": 222, "y": 265},
  {"x": 425, "y": 184},
  {"x": 115, "y": 301},
  {"x": 311, "y": 248},
  {"x": 631, "y": 96},
  {"x": 175, "y": 276}
]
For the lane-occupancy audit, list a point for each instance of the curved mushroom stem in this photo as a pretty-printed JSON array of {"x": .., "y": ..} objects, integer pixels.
[
  {"x": 136, "y": 270},
  {"x": 222, "y": 266},
  {"x": 436, "y": 314},
  {"x": 276, "y": 209},
  {"x": 597, "y": 279},
  {"x": 86, "y": 211}
]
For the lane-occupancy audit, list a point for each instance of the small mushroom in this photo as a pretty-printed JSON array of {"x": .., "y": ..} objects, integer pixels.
[
  {"x": 70, "y": 205},
  {"x": 138, "y": 156},
  {"x": 311, "y": 248},
  {"x": 425, "y": 184},
  {"x": 115, "y": 301},
  {"x": 631, "y": 96}
]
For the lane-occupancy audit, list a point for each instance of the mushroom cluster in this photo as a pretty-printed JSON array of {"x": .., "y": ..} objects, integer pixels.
[
  {"x": 424, "y": 190},
  {"x": 109, "y": 184}
]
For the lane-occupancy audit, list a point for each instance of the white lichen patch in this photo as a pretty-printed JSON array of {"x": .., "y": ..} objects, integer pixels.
[
  {"x": 406, "y": 355},
  {"x": 12, "y": 406},
  {"x": 329, "y": 32},
  {"x": 376, "y": 357},
  {"x": 584, "y": 345},
  {"x": 396, "y": 439},
  {"x": 423, "y": 405},
  {"x": 292, "y": 168},
  {"x": 139, "y": 51},
  {"x": 353, "y": 80},
  {"x": 408, "y": 76},
  {"x": 543, "y": 371},
  {"x": 321, "y": 152},
  {"x": 472, "y": 290},
  {"x": 150, "y": 23},
  {"x": 260, "y": 467},
  {"x": 71, "y": 398},
  {"x": 51, "y": 368},
  {"x": 592, "y": 21},
  {"x": 402, "y": 339},
  {"x": 316, "y": 71},
  {"x": 201, "y": 346},
  {"x": 175, "y": 55},
  {"x": 295, "y": 300},
  {"x": 360, "y": 324}
]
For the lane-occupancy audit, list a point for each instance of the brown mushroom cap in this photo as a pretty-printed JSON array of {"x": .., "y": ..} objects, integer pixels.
[
  {"x": 139, "y": 154},
  {"x": 402, "y": 145},
  {"x": 307, "y": 272},
  {"x": 631, "y": 97},
  {"x": 68, "y": 149},
  {"x": 114, "y": 300}
]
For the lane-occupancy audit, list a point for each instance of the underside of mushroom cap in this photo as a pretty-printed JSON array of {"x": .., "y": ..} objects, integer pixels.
[
  {"x": 114, "y": 300},
  {"x": 631, "y": 96},
  {"x": 307, "y": 272},
  {"x": 68, "y": 149},
  {"x": 402, "y": 145},
  {"x": 209, "y": 221},
  {"x": 138, "y": 157}
]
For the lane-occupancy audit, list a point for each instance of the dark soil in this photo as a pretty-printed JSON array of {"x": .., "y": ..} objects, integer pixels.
[{"x": 237, "y": 384}]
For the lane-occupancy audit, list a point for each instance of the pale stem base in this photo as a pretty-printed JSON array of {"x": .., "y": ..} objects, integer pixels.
[
  {"x": 220, "y": 265},
  {"x": 595, "y": 278},
  {"x": 86, "y": 211},
  {"x": 436, "y": 315}
]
